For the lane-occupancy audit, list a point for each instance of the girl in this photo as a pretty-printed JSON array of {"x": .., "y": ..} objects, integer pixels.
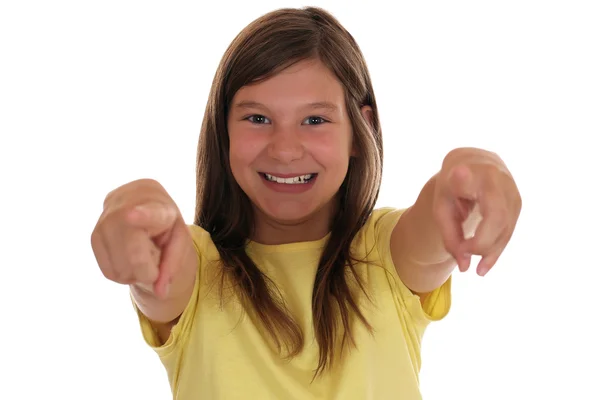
[{"x": 289, "y": 284}]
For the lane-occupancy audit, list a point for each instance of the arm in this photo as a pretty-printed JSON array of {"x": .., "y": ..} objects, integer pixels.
[
  {"x": 417, "y": 245},
  {"x": 142, "y": 240},
  {"x": 469, "y": 207}
]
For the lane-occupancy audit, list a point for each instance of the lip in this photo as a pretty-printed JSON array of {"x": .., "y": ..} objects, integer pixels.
[
  {"x": 287, "y": 175},
  {"x": 284, "y": 188}
]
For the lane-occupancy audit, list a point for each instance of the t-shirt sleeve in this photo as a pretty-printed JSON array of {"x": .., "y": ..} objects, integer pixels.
[
  {"x": 182, "y": 328},
  {"x": 436, "y": 305}
]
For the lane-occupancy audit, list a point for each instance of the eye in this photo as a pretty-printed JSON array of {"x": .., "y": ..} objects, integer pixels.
[
  {"x": 258, "y": 119},
  {"x": 314, "y": 120}
]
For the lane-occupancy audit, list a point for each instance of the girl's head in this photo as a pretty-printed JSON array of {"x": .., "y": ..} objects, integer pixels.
[
  {"x": 292, "y": 125},
  {"x": 292, "y": 97}
]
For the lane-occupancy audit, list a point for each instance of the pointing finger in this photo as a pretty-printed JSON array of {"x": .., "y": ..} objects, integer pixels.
[
  {"x": 452, "y": 232},
  {"x": 495, "y": 220},
  {"x": 486, "y": 263},
  {"x": 173, "y": 257}
]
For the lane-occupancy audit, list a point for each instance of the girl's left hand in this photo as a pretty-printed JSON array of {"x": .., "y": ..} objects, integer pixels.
[{"x": 476, "y": 206}]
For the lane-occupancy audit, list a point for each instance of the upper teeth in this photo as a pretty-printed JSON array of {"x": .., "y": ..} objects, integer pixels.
[{"x": 294, "y": 180}]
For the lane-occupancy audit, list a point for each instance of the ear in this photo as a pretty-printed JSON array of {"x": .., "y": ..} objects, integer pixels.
[{"x": 367, "y": 113}]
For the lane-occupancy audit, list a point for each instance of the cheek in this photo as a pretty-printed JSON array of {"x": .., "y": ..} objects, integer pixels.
[
  {"x": 332, "y": 151},
  {"x": 243, "y": 150}
]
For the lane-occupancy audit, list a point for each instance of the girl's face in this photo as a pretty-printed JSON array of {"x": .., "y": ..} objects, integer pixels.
[{"x": 290, "y": 142}]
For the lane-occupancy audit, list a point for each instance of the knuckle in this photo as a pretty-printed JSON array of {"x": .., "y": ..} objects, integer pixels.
[
  {"x": 115, "y": 219},
  {"x": 480, "y": 243},
  {"x": 147, "y": 272},
  {"x": 131, "y": 191},
  {"x": 109, "y": 218},
  {"x": 115, "y": 274},
  {"x": 147, "y": 275},
  {"x": 147, "y": 182},
  {"x": 109, "y": 197},
  {"x": 115, "y": 196},
  {"x": 137, "y": 254},
  {"x": 154, "y": 255},
  {"x": 109, "y": 274},
  {"x": 95, "y": 239},
  {"x": 477, "y": 247},
  {"x": 518, "y": 202},
  {"x": 148, "y": 188},
  {"x": 118, "y": 216}
]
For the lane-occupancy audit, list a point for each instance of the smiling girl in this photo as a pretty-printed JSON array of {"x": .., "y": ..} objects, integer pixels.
[{"x": 290, "y": 284}]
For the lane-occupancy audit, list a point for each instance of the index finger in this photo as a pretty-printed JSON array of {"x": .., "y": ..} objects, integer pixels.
[
  {"x": 173, "y": 257},
  {"x": 452, "y": 232},
  {"x": 494, "y": 224}
]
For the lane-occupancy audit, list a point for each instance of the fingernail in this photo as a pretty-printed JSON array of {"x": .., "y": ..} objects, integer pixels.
[
  {"x": 466, "y": 261},
  {"x": 482, "y": 269}
]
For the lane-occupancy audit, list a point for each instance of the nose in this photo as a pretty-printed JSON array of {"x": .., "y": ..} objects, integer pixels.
[{"x": 285, "y": 146}]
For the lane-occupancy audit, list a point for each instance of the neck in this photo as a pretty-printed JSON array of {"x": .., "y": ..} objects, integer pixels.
[{"x": 315, "y": 226}]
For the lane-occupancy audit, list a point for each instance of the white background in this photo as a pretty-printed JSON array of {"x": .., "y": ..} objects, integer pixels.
[{"x": 95, "y": 94}]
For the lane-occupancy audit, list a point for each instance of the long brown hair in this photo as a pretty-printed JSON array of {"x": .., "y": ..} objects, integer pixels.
[{"x": 266, "y": 46}]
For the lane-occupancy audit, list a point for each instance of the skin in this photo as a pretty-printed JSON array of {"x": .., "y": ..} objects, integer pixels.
[
  {"x": 470, "y": 207},
  {"x": 141, "y": 240},
  {"x": 296, "y": 123}
]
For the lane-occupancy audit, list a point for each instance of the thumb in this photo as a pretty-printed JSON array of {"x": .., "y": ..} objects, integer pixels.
[
  {"x": 154, "y": 217},
  {"x": 462, "y": 183}
]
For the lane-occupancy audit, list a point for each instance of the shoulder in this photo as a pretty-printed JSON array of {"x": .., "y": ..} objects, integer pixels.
[
  {"x": 205, "y": 247},
  {"x": 372, "y": 241},
  {"x": 377, "y": 234},
  {"x": 380, "y": 224},
  {"x": 385, "y": 217}
]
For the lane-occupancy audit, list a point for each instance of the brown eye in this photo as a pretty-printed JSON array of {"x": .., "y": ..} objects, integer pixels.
[
  {"x": 313, "y": 120},
  {"x": 258, "y": 119}
]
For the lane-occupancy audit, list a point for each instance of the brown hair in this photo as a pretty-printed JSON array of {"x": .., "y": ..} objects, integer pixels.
[{"x": 266, "y": 46}]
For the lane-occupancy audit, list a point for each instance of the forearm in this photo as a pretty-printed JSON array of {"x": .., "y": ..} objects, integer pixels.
[
  {"x": 418, "y": 247},
  {"x": 424, "y": 244},
  {"x": 421, "y": 240},
  {"x": 469, "y": 208}
]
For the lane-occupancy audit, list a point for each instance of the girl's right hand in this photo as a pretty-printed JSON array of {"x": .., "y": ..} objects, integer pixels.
[{"x": 140, "y": 238}]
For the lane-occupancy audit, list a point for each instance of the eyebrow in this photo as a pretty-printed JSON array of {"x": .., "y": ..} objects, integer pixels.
[{"x": 319, "y": 105}]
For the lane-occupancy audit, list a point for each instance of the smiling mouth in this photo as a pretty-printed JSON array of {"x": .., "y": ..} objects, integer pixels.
[{"x": 289, "y": 180}]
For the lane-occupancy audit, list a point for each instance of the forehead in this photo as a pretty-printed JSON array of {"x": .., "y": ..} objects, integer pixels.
[{"x": 304, "y": 82}]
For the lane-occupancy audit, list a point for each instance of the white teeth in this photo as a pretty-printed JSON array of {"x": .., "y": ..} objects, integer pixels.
[{"x": 291, "y": 181}]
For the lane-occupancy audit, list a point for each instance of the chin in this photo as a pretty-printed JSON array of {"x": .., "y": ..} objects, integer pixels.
[{"x": 289, "y": 212}]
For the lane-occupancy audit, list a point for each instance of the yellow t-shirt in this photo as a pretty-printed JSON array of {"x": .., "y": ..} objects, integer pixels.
[{"x": 218, "y": 353}]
